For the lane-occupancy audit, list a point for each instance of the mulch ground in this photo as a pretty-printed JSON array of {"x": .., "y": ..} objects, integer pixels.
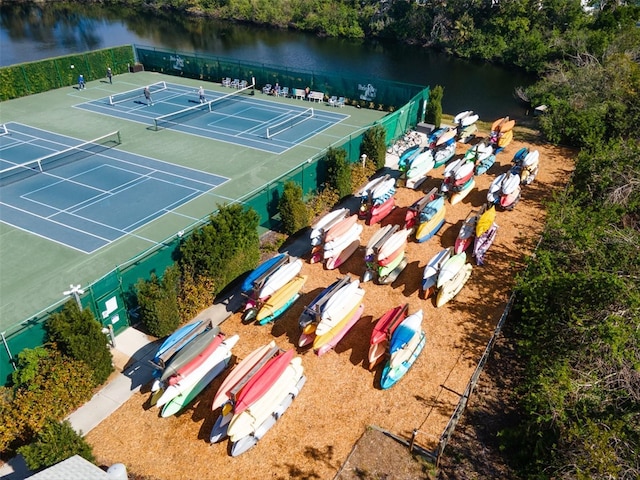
[{"x": 342, "y": 398}]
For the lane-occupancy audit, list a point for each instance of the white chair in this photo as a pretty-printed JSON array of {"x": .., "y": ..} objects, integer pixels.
[
  {"x": 235, "y": 83},
  {"x": 243, "y": 84},
  {"x": 340, "y": 102},
  {"x": 333, "y": 100},
  {"x": 226, "y": 82},
  {"x": 266, "y": 89},
  {"x": 284, "y": 92}
]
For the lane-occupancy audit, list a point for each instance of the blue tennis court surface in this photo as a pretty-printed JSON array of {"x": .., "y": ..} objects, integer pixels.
[
  {"x": 89, "y": 196},
  {"x": 244, "y": 119}
]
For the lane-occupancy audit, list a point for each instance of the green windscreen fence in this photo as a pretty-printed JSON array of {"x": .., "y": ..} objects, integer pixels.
[
  {"x": 112, "y": 298},
  {"x": 366, "y": 91}
]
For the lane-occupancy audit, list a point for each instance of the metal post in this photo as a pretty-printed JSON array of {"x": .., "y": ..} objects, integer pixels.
[
  {"x": 6, "y": 347},
  {"x": 75, "y": 291}
]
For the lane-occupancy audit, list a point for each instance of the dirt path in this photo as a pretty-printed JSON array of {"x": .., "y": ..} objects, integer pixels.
[{"x": 341, "y": 397}]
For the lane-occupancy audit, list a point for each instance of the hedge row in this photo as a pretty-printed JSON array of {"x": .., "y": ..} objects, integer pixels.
[{"x": 34, "y": 77}]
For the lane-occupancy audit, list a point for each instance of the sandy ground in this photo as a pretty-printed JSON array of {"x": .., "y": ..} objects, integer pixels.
[{"x": 342, "y": 397}]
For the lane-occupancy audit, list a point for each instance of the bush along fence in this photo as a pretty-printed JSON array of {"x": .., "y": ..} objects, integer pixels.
[
  {"x": 34, "y": 77},
  {"x": 112, "y": 298}
]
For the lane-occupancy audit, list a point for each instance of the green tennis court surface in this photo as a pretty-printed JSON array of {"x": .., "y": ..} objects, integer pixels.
[
  {"x": 239, "y": 116},
  {"x": 35, "y": 270}
]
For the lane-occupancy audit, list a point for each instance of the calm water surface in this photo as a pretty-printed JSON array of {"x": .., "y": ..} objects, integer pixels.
[{"x": 29, "y": 33}]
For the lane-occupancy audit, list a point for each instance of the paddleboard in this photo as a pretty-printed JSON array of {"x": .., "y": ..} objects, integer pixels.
[
  {"x": 323, "y": 343},
  {"x": 402, "y": 336},
  {"x": 393, "y": 243},
  {"x": 451, "y": 288},
  {"x": 443, "y": 155},
  {"x": 340, "y": 228},
  {"x": 339, "y": 311},
  {"x": 428, "y": 229},
  {"x": 204, "y": 345},
  {"x": 378, "y": 212},
  {"x": 280, "y": 278},
  {"x": 382, "y": 331},
  {"x": 430, "y": 272},
  {"x": 466, "y": 233},
  {"x": 485, "y": 220},
  {"x": 343, "y": 256},
  {"x": 277, "y": 303},
  {"x": 450, "y": 267},
  {"x": 324, "y": 223},
  {"x": 457, "y": 197},
  {"x": 482, "y": 244},
  {"x": 391, "y": 376},
  {"x": 260, "y": 270},
  {"x": 390, "y": 277}
]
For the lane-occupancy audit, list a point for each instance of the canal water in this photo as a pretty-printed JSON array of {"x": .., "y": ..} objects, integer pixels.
[{"x": 30, "y": 33}]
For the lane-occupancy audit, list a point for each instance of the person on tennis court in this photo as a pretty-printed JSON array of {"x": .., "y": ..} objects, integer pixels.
[
  {"x": 81, "y": 84},
  {"x": 147, "y": 96},
  {"x": 109, "y": 74},
  {"x": 201, "y": 95}
]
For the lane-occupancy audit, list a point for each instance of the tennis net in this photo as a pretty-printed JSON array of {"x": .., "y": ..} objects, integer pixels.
[
  {"x": 138, "y": 92},
  {"x": 24, "y": 170},
  {"x": 286, "y": 124},
  {"x": 176, "y": 118}
]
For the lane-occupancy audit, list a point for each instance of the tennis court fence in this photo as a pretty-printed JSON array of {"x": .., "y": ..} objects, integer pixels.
[{"x": 47, "y": 163}]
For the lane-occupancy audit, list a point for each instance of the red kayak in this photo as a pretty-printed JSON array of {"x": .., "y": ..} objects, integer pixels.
[
  {"x": 383, "y": 330},
  {"x": 197, "y": 361},
  {"x": 262, "y": 381},
  {"x": 378, "y": 212}
]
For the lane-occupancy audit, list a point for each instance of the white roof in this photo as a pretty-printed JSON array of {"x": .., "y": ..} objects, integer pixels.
[{"x": 73, "y": 468}]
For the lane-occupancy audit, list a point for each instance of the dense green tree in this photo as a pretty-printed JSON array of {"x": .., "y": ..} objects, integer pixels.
[
  {"x": 225, "y": 248},
  {"x": 56, "y": 441},
  {"x": 293, "y": 211},
  {"x": 46, "y": 384},
  {"x": 338, "y": 172},
  {"x": 79, "y": 335},
  {"x": 158, "y": 301},
  {"x": 433, "y": 113},
  {"x": 374, "y": 145}
]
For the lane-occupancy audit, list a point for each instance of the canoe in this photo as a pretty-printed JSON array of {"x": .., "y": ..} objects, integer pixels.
[
  {"x": 443, "y": 154},
  {"x": 384, "y": 270},
  {"x": 338, "y": 244},
  {"x": 508, "y": 202},
  {"x": 239, "y": 371},
  {"x": 177, "y": 403},
  {"x": 378, "y": 212},
  {"x": 278, "y": 303},
  {"x": 457, "y": 197},
  {"x": 172, "y": 340},
  {"x": 402, "y": 337},
  {"x": 323, "y": 343},
  {"x": 339, "y": 311},
  {"x": 485, "y": 220},
  {"x": 451, "y": 288},
  {"x": 343, "y": 256},
  {"x": 413, "y": 212},
  {"x": 203, "y": 346},
  {"x": 407, "y": 155},
  {"x": 324, "y": 223},
  {"x": 467, "y": 133},
  {"x": 445, "y": 137},
  {"x": 482, "y": 244},
  {"x": 510, "y": 183},
  {"x": 245, "y": 443},
  {"x": 260, "y": 270},
  {"x": 391, "y": 276},
  {"x": 391, "y": 376},
  {"x": 262, "y": 381},
  {"x": 466, "y": 233},
  {"x": 505, "y": 138},
  {"x": 431, "y": 209},
  {"x": 280, "y": 278},
  {"x": 379, "y": 237},
  {"x": 246, "y": 421},
  {"x": 520, "y": 155},
  {"x": 430, "y": 272},
  {"x": 428, "y": 229},
  {"x": 450, "y": 267},
  {"x": 393, "y": 243},
  {"x": 371, "y": 185},
  {"x": 340, "y": 228},
  {"x": 382, "y": 331},
  {"x": 194, "y": 377}
]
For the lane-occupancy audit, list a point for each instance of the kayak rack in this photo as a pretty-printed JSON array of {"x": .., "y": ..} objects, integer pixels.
[
  {"x": 316, "y": 309},
  {"x": 256, "y": 368},
  {"x": 170, "y": 352}
]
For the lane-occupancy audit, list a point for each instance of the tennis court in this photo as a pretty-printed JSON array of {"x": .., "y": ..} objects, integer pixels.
[
  {"x": 238, "y": 117},
  {"x": 86, "y": 195}
]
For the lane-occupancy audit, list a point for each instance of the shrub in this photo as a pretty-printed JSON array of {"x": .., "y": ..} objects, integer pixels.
[
  {"x": 338, "y": 171},
  {"x": 78, "y": 335},
  {"x": 196, "y": 294},
  {"x": 293, "y": 211},
  {"x": 47, "y": 384},
  {"x": 158, "y": 300},
  {"x": 433, "y": 113},
  {"x": 374, "y": 145},
  {"x": 54, "y": 443},
  {"x": 225, "y": 248}
]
